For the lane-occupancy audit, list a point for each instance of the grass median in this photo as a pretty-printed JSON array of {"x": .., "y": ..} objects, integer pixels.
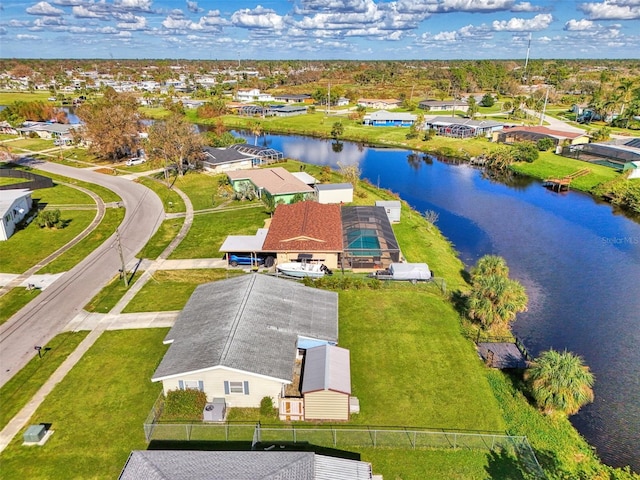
[{"x": 14, "y": 300}]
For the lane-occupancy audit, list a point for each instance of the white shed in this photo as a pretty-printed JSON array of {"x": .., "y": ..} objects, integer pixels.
[
  {"x": 392, "y": 208},
  {"x": 334, "y": 192},
  {"x": 14, "y": 206}
]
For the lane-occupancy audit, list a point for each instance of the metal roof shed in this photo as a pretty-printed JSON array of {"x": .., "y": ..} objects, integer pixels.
[{"x": 326, "y": 383}]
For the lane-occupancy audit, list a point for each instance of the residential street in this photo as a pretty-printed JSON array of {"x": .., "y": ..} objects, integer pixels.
[{"x": 60, "y": 302}]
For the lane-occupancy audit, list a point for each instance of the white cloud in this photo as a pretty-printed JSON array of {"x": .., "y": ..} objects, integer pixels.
[
  {"x": 332, "y": 6},
  {"x": 539, "y": 22},
  {"x": 47, "y": 22},
  {"x": 67, "y": 3},
  {"x": 259, "y": 17},
  {"x": 136, "y": 5},
  {"x": 445, "y": 6},
  {"x": 176, "y": 23},
  {"x": 27, "y": 37},
  {"x": 193, "y": 7},
  {"x": 525, "y": 7},
  {"x": 81, "y": 11},
  {"x": 44, "y": 8},
  {"x": 578, "y": 25},
  {"x": 140, "y": 23},
  {"x": 612, "y": 10}
]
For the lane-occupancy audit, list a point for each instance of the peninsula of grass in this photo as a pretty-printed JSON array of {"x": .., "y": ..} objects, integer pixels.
[
  {"x": 96, "y": 411},
  {"x": 17, "y": 392},
  {"x": 172, "y": 202},
  {"x": 112, "y": 218},
  {"x": 550, "y": 165},
  {"x": 162, "y": 238},
  {"x": 169, "y": 290},
  {"x": 110, "y": 295},
  {"x": 14, "y": 300},
  {"x": 208, "y": 231},
  {"x": 33, "y": 244}
]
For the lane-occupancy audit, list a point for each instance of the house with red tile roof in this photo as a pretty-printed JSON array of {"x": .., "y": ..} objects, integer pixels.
[
  {"x": 535, "y": 133},
  {"x": 306, "y": 228}
]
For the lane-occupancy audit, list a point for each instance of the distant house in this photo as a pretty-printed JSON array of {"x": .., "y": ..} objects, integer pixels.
[
  {"x": 293, "y": 98},
  {"x": 14, "y": 206},
  {"x": 379, "y": 103},
  {"x": 252, "y": 95},
  {"x": 276, "y": 182},
  {"x": 306, "y": 228},
  {"x": 241, "y": 465},
  {"x": 48, "y": 130},
  {"x": 287, "y": 110},
  {"x": 237, "y": 338},
  {"x": 326, "y": 383},
  {"x": 383, "y": 118},
  {"x": 443, "y": 105},
  {"x": 462, "y": 127},
  {"x": 334, "y": 192},
  {"x": 535, "y": 133},
  {"x": 237, "y": 157},
  {"x": 5, "y": 127}
]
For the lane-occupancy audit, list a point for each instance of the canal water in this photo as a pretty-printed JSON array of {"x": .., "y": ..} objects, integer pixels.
[{"x": 578, "y": 258}]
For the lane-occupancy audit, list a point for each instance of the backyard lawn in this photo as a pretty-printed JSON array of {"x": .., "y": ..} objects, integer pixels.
[{"x": 96, "y": 412}]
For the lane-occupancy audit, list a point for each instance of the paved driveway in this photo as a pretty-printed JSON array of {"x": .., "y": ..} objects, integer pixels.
[{"x": 40, "y": 321}]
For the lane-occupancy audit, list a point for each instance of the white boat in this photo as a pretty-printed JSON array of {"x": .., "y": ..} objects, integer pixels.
[{"x": 303, "y": 269}]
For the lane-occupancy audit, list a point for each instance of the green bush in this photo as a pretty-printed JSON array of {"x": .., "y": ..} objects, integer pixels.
[
  {"x": 545, "y": 144},
  {"x": 184, "y": 405},
  {"x": 48, "y": 219},
  {"x": 266, "y": 407}
]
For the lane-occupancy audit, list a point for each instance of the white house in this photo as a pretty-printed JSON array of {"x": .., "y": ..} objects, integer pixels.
[
  {"x": 14, "y": 206},
  {"x": 237, "y": 338},
  {"x": 334, "y": 192},
  {"x": 392, "y": 207},
  {"x": 246, "y": 95}
]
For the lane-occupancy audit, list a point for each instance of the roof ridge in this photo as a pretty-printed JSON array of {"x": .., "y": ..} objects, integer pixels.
[
  {"x": 237, "y": 318},
  {"x": 327, "y": 367}
]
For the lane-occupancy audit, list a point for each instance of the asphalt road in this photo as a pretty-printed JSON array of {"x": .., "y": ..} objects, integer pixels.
[{"x": 46, "y": 316}]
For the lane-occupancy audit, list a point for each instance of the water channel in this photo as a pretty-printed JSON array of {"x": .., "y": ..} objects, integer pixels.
[{"x": 578, "y": 258}]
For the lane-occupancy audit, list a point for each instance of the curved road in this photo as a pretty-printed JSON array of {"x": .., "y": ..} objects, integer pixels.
[{"x": 46, "y": 316}]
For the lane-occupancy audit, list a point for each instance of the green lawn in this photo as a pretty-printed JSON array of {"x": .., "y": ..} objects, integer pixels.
[
  {"x": 170, "y": 289},
  {"x": 14, "y": 300},
  {"x": 208, "y": 231},
  {"x": 62, "y": 195},
  {"x": 162, "y": 238},
  {"x": 201, "y": 188},
  {"x": 17, "y": 392},
  {"x": 110, "y": 295},
  {"x": 112, "y": 218},
  {"x": 550, "y": 165},
  {"x": 96, "y": 412},
  {"x": 172, "y": 202},
  {"x": 7, "y": 98},
  {"x": 31, "y": 144},
  {"x": 33, "y": 244}
]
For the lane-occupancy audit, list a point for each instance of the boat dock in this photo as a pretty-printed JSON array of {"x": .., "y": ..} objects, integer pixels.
[{"x": 563, "y": 184}]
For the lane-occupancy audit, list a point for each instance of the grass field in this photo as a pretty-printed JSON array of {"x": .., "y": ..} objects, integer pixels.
[
  {"x": 15, "y": 394},
  {"x": 111, "y": 294},
  {"x": 172, "y": 202},
  {"x": 208, "y": 231},
  {"x": 96, "y": 411},
  {"x": 112, "y": 218},
  {"x": 14, "y": 300},
  {"x": 32, "y": 244},
  {"x": 162, "y": 238}
]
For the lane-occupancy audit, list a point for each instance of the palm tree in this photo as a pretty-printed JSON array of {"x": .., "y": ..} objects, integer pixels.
[
  {"x": 494, "y": 301},
  {"x": 560, "y": 381},
  {"x": 491, "y": 265},
  {"x": 625, "y": 92}
]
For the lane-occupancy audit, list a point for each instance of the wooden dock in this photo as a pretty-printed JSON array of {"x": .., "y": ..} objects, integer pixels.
[
  {"x": 503, "y": 354},
  {"x": 563, "y": 184}
]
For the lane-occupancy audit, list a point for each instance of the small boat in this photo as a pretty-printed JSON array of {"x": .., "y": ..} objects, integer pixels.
[{"x": 304, "y": 269}]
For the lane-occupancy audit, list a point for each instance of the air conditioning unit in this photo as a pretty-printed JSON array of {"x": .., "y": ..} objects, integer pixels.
[
  {"x": 35, "y": 433},
  {"x": 215, "y": 411}
]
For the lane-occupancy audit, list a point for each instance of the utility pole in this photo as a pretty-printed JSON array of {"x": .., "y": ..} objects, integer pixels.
[
  {"x": 329, "y": 99},
  {"x": 544, "y": 107},
  {"x": 123, "y": 270}
]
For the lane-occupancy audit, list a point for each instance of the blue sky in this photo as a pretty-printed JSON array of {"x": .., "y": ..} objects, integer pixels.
[{"x": 319, "y": 29}]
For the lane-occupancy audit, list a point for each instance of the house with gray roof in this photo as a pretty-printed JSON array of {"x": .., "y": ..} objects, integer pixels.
[
  {"x": 237, "y": 157},
  {"x": 239, "y": 465},
  {"x": 383, "y": 118},
  {"x": 237, "y": 339}
]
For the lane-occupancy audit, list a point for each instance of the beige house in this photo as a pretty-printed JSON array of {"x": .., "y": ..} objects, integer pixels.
[
  {"x": 535, "y": 133},
  {"x": 237, "y": 338}
]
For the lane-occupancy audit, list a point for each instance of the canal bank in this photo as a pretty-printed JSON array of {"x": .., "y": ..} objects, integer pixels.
[{"x": 578, "y": 260}]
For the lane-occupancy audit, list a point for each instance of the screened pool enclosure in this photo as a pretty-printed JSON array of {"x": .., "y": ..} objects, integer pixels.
[{"x": 369, "y": 241}]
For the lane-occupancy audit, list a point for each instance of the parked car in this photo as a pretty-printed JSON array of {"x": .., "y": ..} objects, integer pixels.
[
  {"x": 235, "y": 260},
  {"x": 135, "y": 161}
]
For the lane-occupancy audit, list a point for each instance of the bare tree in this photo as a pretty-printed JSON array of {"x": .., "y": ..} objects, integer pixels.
[
  {"x": 174, "y": 142},
  {"x": 111, "y": 125}
]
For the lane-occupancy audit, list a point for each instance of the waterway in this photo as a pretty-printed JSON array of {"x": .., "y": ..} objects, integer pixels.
[{"x": 578, "y": 258}]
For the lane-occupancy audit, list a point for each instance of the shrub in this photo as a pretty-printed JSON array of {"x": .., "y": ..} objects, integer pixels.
[
  {"x": 48, "y": 219},
  {"x": 266, "y": 407},
  {"x": 487, "y": 100},
  {"x": 525, "y": 152},
  {"x": 544, "y": 144},
  {"x": 184, "y": 405}
]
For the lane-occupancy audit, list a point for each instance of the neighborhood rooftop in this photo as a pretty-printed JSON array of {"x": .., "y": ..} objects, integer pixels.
[
  {"x": 249, "y": 323},
  {"x": 277, "y": 181},
  {"x": 239, "y": 465},
  {"x": 327, "y": 367}
]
